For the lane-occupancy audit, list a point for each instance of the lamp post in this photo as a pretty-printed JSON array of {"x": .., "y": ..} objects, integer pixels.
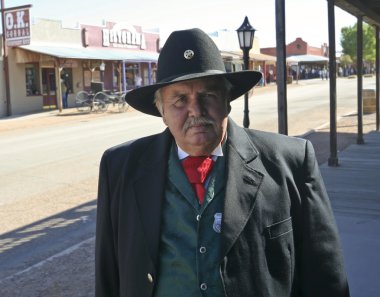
[{"x": 246, "y": 34}]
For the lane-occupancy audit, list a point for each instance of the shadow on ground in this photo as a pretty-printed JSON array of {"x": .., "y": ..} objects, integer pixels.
[{"x": 31, "y": 244}]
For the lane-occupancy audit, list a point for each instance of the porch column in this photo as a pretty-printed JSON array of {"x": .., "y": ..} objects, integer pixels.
[
  {"x": 281, "y": 68},
  {"x": 377, "y": 78},
  {"x": 58, "y": 92},
  {"x": 333, "y": 158},
  {"x": 150, "y": 73},
  {"x": 359, "y": 54},
  {"x": 123, "y": 76}
]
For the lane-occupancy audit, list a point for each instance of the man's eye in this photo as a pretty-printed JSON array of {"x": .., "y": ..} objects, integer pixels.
[
  {"x": 210, "y": 97},
  {"x": 180, "y": 101}
]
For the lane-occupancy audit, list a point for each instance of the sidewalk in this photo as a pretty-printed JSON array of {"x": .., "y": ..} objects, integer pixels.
[{"x": 354, "y": 190}]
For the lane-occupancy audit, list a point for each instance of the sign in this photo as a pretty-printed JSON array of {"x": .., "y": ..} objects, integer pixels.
[
  {"x": 17, "y": 27},
  {"x": 123, "y": 35}
]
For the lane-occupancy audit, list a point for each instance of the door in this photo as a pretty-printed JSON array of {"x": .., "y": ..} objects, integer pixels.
[{"x": 49, "y": 88}]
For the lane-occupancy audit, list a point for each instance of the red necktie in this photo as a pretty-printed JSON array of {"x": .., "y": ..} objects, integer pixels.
[{"x": 197, "y": 169}]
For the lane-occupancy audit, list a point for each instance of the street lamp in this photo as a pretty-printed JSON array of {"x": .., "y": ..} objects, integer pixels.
[{"x": 246, "y": 34}]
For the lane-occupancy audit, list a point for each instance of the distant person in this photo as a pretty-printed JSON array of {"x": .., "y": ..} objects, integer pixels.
[
  {"x": 208, "y": 208},
  {"x": 68, "y": 90},
  {"x": 64, "y": 91},
  {"x": 138, "y": 81}
]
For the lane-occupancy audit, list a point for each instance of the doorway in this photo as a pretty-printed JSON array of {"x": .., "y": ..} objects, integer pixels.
[{"x": 49, "y": 88}]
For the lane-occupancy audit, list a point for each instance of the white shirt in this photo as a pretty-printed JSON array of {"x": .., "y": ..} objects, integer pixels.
[{"x": 217, "y": 152}]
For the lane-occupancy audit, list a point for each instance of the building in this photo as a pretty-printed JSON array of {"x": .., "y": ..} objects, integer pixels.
[
  {"x": 299, "y": 47},
  {"x": 228, "y": 43},
  {"x": 117, "y": 56},
  {"x": 114, "y": 57},
  {"x": 303, "y": 61}
]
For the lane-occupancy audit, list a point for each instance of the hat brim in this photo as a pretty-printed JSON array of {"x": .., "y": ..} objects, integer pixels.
[{"x": 142, "y": 98}]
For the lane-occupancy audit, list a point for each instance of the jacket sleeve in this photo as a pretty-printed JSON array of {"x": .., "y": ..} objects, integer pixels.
[
  {"x": 322, "y": 271},
  {"x": 106, "y": 270}
]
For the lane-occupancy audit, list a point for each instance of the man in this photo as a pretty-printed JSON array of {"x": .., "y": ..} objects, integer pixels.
[{"x": 207, "y": 208}]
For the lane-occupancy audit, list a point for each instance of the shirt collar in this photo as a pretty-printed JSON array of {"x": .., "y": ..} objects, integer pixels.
[{"x": 217, "y": 152}]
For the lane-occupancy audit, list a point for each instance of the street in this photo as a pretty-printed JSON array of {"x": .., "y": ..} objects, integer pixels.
[{"x": 48, "y": 173}]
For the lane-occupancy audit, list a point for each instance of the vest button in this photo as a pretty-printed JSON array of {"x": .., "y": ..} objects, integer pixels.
[
  {"x": 203, "y": 286},
  {"x": 150, "y": 277},
  {"x": 202, "y": 249}
]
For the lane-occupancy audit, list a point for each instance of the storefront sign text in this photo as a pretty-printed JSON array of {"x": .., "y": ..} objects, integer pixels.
[{"x": 123, "y": 38}]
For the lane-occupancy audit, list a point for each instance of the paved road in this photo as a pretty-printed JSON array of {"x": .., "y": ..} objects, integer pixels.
[
  {"x": 49, "y": 173},
  {"x": 308, "y": 104}
]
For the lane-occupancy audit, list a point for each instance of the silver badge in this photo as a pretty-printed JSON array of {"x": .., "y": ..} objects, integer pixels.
[
  {"x": 188, "y": 54},
  {"x": 217, "y": 226}
]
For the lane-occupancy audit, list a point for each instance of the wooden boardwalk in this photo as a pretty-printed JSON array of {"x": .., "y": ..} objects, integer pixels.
[{"x": 354, "y": 190}]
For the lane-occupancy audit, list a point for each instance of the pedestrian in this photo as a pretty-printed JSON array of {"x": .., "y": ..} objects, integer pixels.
[
  {"x": 207, "y": 208},
  {"x": 68, "y": 89},
  {"x": 64, "y": 92},
  {"x": 138, "y": 81}
]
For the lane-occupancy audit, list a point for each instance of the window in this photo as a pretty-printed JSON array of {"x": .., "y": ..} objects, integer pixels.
[{"x": 32, "y": 80}]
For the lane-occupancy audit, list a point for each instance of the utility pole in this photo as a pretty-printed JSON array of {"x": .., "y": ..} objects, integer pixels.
[{"x": 5, "y": 63}]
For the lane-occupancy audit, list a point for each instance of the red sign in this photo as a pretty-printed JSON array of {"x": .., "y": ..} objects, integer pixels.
[{"x": 17, "y": 27}]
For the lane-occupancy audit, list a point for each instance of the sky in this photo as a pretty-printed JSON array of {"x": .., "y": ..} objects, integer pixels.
[{"x": 304, "y": 18}]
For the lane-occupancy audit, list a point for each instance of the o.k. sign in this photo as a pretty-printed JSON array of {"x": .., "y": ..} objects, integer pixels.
[{"x": 17, "y": 27}]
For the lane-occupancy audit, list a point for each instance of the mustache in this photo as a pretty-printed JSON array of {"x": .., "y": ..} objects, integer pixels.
[{"x": 197, "y": 121}]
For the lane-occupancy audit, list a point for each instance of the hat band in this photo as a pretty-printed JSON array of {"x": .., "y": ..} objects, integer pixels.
[{"x": 191, "y": 76}]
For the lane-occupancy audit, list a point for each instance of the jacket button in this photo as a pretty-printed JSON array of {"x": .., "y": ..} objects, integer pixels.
[
  {"x": 203, "y": 287},
  {"x": 150, "y": 278}
]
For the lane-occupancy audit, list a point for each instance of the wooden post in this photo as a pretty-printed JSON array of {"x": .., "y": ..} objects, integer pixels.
[
  {"x": 377, "y": 77},
  {"x": 58, "y": 88},
  {"x": 5, "y": 63},
  {"x": 281, "y": 68},
  {"x": 333, "y": 158},
  {"x": 359, "y": 55}
]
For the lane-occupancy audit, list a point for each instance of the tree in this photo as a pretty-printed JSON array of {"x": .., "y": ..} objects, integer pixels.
[
  {"x": 345, "y": 60},
  {"x": 348, "y": 42}
]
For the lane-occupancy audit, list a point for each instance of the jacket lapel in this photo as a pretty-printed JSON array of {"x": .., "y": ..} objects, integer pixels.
[
  {"x": 149, "y": 186},
  {"x": 243, "y": 183}
]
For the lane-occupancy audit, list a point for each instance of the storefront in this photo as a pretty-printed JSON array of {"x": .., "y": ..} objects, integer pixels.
[{"x": 72, "y": 58}]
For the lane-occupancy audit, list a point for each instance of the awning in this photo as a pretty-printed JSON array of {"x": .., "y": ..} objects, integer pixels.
[
  {"x": 263, "y": 57},
  {"x": 306, "y": 59},
  {"x": 253, "y": 56},
  {"x": 92, "y": 53}
]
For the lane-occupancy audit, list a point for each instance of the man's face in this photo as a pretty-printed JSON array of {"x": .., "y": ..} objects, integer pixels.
[{"x": 196, "y": 113}]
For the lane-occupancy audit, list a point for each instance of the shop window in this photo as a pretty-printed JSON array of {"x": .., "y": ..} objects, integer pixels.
[{"x": 32, "y": 79}]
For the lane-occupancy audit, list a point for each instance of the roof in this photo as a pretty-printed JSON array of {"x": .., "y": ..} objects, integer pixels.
[
  {"x": 368, "y": 9},
  {"x": 253, "y": 56},
  {"x": 306, "y": 59},
  {"x": 93, "y": 53},
  {"x": 263, "y": 57}
]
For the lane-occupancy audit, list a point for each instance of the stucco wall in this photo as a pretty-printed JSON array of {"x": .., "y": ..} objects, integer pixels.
[
  {"x": 20, "y": 103},
  {"x": 51, "y": 31}
]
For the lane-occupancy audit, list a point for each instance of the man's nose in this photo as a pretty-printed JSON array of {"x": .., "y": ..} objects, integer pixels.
[{"x": 196, "y": 108}]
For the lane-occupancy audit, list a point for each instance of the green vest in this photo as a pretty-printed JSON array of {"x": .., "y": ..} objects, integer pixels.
[{"x": 190, "y": 235}]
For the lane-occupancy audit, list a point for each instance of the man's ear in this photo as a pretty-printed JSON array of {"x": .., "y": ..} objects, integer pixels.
[
  {"x": 228, "y": 107},
  {"x": 163, "y": 119}
]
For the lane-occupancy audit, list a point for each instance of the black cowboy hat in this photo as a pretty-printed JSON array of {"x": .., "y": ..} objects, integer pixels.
[{"x": 186, "y": 55}]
